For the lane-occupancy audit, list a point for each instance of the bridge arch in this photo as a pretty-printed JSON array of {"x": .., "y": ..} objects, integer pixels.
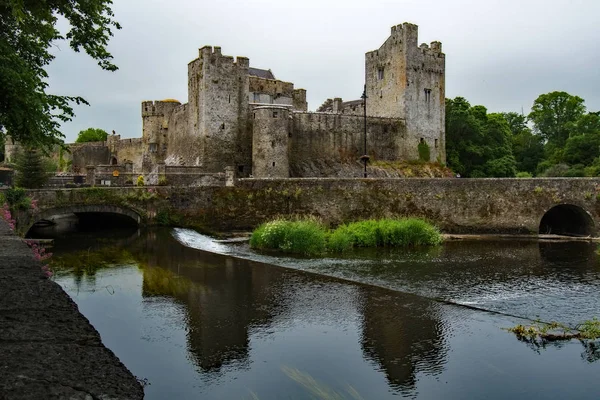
[
  {"x": 131, "y": 215},
  {"x": 569, "y": 220}
]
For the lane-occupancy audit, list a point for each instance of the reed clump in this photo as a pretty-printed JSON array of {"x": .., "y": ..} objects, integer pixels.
[{"x": 309, "y": 236}]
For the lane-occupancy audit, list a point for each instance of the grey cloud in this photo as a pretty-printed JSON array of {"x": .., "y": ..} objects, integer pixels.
[{"x": 501, "y": 54}]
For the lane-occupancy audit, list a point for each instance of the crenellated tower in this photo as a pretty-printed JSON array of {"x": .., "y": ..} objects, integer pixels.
[
  {"x": 407, "y": 81},
  {"x": 218, "y": 109}
]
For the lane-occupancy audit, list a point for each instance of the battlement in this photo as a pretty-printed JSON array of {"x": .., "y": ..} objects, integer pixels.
[
  {"x": 159, "y": 107},
  {"x": 210, "y": 53},
  {"x": 406, "y": 36}
]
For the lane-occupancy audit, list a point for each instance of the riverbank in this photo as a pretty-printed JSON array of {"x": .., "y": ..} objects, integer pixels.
[{"x": 49, "y": 349}]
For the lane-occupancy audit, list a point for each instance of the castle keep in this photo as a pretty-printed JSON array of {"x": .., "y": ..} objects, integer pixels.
[{"x": 243, "y": 117}]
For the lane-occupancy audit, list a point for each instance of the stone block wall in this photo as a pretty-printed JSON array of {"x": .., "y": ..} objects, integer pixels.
[
  {"x": 330, "y": 140},
  {"x": 455, "y": 205},
  {"x": 84, "y": 154}
]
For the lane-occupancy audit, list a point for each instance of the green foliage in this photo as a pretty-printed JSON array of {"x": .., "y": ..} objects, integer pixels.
[
  {"x": 556, "y": 170},
  {"x": 140, "y": 181},
  {"x": 29, "y": 114},
  {"x": 527, "y": 148},
  {"x": 162, "y": 181},
  {"x": 91, "y": 135},
  {"x": 17, "y": 198},
  {"x": 565, "y": 140},
  {"x": 582, "y": 149},
  {"x": 304, "y": 236},
  {"x": 504, "y": 167},
  {"x": 478, "y": 144},
  {"x": 554, "y": 113},
  {"x": 424, "y": 152},
  {"x": 385, "y": 233},
  {"x": 310, "y": 237},
  {"x": 31, "y": 169},
  {"x": 524, "y": 174},
  {"x": 167, "y": 217}
]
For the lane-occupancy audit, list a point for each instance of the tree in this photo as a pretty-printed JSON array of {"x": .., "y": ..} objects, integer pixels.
[
  {"x": 517, "y": 123},
  {"x": 478, "y": 144},
  {"x": 527, "y": 148},
  {"x": 28, "y": 114},
  {"x": 31, "y": 172},
  {"x": 553, "y": 113},
  {"x": 91, "y": 135},
  {"x": 582, "y": 149}
]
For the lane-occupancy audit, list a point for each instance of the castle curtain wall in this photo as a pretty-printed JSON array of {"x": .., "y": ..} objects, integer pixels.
[{"x": 321, "y": 143}]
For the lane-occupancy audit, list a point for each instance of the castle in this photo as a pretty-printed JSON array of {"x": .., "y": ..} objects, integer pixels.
[{"x": 243, "y": 117}]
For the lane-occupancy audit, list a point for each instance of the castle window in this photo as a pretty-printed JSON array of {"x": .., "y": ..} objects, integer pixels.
[
  {"x": 436, "y": 143},
  {"x": 273, "y": 163},
  {"x": 272, "y": 143},
  {"x": 230, "y": 98},
  {"x": 274, "y": 114},
  {"x": 153, "y": 148},
  {"x": 380, "y": 73},
  {"x": 254, "y": 115},
  {"x": 223, "y": 125},
  {"x": 257, "y": 97},
  {"x": 427, "y": 95},
  {"x": 241, "y": 169}
]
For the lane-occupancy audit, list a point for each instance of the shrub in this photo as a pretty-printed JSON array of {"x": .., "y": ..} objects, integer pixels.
[
  {"x": 524, "y": 175},
  {"x": 556, "y": 170},
  {"x": 304, "y": 236},
  {"x": 168, "y": 218},
  {"x": 424, "y": 153},
  {"x": 17, "y": 199},
  {"x": 162, "y": 181},
  {"x": 140, "y": 181}
]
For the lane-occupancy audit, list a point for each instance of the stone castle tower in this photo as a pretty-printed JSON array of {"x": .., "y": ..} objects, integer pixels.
[{"x": 407, "y": 81}]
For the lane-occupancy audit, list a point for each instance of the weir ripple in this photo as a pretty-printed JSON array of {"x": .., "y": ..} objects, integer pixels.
[{"x": 201, "y": 319}]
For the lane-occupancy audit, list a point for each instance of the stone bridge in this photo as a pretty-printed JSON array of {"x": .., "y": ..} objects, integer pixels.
[{"x": 549, "y": 205}]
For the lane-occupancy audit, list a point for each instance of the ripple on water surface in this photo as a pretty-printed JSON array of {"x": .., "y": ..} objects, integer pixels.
[{"x": 547, "y": 281}]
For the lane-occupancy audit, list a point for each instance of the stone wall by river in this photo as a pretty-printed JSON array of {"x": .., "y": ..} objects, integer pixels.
[{"x": 455, "y": 205}]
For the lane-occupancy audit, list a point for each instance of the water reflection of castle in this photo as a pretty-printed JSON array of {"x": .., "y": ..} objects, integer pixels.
[{"x": 227, "y": 298}]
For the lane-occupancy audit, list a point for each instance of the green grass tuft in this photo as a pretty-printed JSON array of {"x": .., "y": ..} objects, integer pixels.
[
  {"x": 304, "y": 236},
  {"x": 310, "y": 237}
]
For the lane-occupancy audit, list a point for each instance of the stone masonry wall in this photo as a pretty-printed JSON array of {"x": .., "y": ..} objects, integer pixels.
[
  {"x": 84, "y": 154},
  {"x": 407, "y": 81},
  {"x": 455, "y": 205},
  {"x": 224, "y": 88},
  {"x": 322, "y": 142},
  {"x": 270, "y": 134}
]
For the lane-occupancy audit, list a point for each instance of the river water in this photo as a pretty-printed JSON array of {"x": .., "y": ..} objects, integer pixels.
[{"x": 196, "y": 318}]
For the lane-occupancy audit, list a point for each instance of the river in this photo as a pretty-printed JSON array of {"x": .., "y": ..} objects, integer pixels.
[{"x": 196, "y": 318}]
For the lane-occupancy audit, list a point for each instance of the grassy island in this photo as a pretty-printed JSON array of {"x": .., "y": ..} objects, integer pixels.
[{"x": 309, "y": 236}]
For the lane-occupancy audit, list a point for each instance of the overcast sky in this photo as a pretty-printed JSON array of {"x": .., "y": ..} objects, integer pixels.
[{"x": 501, "y": 54}]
